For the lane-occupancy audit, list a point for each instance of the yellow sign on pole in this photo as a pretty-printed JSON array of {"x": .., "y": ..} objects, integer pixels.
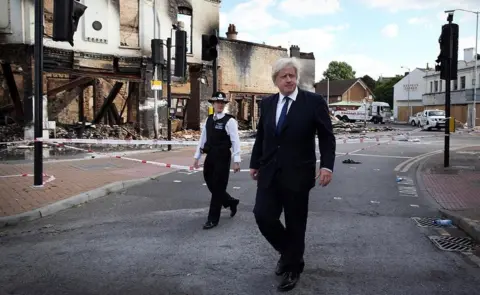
[
  {"x": 452, "y": 124},
  {"x": 210, "y": 110},
  {"x": 156, "y": 84}
]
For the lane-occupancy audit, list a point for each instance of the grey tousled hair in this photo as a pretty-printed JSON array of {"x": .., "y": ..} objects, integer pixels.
[{"x": 283, "y": 63}]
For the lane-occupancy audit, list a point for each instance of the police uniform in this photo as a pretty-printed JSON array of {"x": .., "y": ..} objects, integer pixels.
[{"x": 219, "y": 134}]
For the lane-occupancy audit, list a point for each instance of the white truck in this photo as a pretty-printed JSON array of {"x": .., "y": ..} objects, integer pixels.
[
  {"x": 376, "y": 112},
  {"x": 432, "y": 119}
]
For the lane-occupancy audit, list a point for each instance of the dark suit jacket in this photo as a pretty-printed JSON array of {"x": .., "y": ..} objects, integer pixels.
[{"x": 292, "y": 153}]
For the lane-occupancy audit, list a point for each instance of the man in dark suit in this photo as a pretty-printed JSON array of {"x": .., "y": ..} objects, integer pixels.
[{"x": 284, "y": 164}]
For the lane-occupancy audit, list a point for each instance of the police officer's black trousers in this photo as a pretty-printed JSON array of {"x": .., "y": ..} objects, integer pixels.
[{"x": 216, "y": 171}]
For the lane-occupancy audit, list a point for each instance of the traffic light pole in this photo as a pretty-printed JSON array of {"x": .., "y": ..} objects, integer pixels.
[
  {"x": 446, "y": 154},
  {"x": 38, "y": 101},
  {"x": 169, "y": 91}
]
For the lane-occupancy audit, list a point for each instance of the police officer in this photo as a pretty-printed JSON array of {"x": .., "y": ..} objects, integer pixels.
[{"x": 219, "y": 134}]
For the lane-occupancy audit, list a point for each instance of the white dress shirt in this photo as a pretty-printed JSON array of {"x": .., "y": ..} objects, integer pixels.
[
  {"x": 281, "y": 103},
  {"x": 232, "y": 130}
]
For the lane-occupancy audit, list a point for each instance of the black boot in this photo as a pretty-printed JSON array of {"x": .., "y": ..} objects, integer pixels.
[
  {"x": 289, "y": 281},
  {"x": 209, "y": 225},
  {"x": 233, "y": 207}
]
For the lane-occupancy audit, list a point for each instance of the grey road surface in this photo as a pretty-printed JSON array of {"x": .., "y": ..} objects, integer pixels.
[{"x": 149, "y": 239}]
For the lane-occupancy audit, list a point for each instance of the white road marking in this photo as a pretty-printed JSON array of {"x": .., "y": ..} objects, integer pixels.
[
  {"x": 382, "y": 156},
  {"x": 408, "y": 163},
  {"x": 337, "y": 198},
  {"x": 375, "y": 202},
  {"x": 415, "y": 206},
  {"x": 177, "y": 181}
]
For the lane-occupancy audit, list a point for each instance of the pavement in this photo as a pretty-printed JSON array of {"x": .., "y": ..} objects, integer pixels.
[
  {"x": 148, "y": 238},
  {"x": 456, "y": 188}
]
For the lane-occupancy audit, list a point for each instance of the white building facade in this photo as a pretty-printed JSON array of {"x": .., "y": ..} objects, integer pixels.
[
  {"x": 461, "y": 90},
  {"x": 407, "y": 95}
]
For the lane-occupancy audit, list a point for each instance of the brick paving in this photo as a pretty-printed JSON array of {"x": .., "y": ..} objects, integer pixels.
[
  {"x": 17, "y": 194},
  {"x": 457, "y": 187}
]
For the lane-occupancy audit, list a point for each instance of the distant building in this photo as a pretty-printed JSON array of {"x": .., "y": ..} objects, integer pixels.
[
  {"x": 461, "y": 90},
  {"x": 245, "y": 70},
  {"x": 407, "y": 95},
  {"x": 344, "y": 94}
]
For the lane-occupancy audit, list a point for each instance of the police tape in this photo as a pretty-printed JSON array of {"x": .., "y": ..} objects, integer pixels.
[
  {"x": 166, "y": 165},
  {"x": 193, "y": 143},
  {"x": 181, "y": 143},
  {"x": 50, "y": 177}
]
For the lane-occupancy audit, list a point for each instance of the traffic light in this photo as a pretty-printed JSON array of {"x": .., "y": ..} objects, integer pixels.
[
  {"x": 448, "y": 48},
  {"x": 180, "y": 54},
  {"x": 209, "y": 47},
  {"x": 66, "y": 15}
]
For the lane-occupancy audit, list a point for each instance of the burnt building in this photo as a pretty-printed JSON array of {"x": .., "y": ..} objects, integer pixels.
[
  {"x": 244, "y": 73},
  {"x": 106, "y": 76}
]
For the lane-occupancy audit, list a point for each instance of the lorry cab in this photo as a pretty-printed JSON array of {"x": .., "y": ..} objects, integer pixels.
[{"x": 380, "y": 112}]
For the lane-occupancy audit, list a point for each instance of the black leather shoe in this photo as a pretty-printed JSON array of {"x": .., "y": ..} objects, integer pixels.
[
  {"x": 209, "y": 225},
  {"x": 289, "y": 281},
  {"x": 233, "y": 207},
  {"x": 280, "y": 269}
]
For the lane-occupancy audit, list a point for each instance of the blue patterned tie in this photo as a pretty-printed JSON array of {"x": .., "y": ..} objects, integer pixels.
[{"x": 283, "y": 115}]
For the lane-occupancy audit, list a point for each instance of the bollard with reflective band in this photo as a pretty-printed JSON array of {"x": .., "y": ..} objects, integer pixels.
[{"x": 451, "y": 124}]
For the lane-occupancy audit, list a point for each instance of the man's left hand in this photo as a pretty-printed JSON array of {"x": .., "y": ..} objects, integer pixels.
[
  {"x": 324, "y": 177},
  {"x": 236, "y": 167}
]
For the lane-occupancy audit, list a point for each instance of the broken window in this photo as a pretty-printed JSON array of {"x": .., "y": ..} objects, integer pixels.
[
  {"x": 129, "y": 19},
  {"x": 185, "y": 15}
]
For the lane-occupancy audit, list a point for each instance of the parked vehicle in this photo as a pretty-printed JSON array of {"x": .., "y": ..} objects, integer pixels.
[
  {"x": 415, "y": 119},
  {"x": 432, "y": 119},
  {"x": 376, "y": 112}
]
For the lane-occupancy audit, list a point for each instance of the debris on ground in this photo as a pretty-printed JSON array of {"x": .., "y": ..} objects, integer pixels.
[
  {"x": 186, "y": 135},
  {"x": 12, "y": 132},
  {"x": 357, "y": 127},
  {"x": 96, "y": 131},
  {"x": 350, "y": 161}
]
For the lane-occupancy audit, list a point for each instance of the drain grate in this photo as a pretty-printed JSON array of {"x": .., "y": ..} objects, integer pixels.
[
  {"x": 454, "y": 244},
  {"x": 428, "y": 222}
]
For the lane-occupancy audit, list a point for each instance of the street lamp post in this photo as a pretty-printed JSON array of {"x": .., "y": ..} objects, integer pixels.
[
  {"x": 408, "y": 93},
  {"x": 475, "y": 79}
]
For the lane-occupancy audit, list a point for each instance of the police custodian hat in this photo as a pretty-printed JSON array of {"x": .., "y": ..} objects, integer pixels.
[{"x": 218, "y": 96}]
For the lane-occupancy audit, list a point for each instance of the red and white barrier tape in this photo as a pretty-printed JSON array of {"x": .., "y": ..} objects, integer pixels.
[
  {"x": 50, "y": 177},
  {"x": 193, "y": 143}
]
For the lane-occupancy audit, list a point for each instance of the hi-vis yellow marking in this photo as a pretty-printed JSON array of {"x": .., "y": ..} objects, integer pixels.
[{"x": 156, "y": 84}]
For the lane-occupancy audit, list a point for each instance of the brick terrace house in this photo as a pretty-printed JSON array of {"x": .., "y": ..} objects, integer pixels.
[
  {"x": 245, "y": 73},
  {"x": 110, "y": 58},
  {"x": 344, "y": 94}
]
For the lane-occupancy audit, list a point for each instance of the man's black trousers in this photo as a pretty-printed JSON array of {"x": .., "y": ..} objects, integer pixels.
[
  {"x": 216, "y": 171},
  {"x": 288, "y": 240}
]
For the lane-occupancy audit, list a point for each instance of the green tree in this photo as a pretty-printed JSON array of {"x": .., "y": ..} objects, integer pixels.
[
  {"x": 369, "y": 81},
  {"x": 384, "y": 90},
  {"x": 339, "y": 70}
]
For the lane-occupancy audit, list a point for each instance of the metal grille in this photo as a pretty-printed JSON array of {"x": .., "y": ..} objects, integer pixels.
[
  {"x": 428, "y": 222},
  {"x": 454, "y": 244}
]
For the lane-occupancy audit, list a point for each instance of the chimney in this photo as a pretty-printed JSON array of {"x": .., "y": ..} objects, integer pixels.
[
  {"x": 232, "y": 32},
  {"x": 468, "y": 54},
  {"x": 295, "y": 51}
]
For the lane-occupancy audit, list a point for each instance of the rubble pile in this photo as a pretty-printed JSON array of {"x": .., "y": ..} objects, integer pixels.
[
  {"x": 189, "y": 135},
  {"x": 12, "y": 132},
  {"x": 96, "y": 132},
  {"x": 340, "y": 127}
]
